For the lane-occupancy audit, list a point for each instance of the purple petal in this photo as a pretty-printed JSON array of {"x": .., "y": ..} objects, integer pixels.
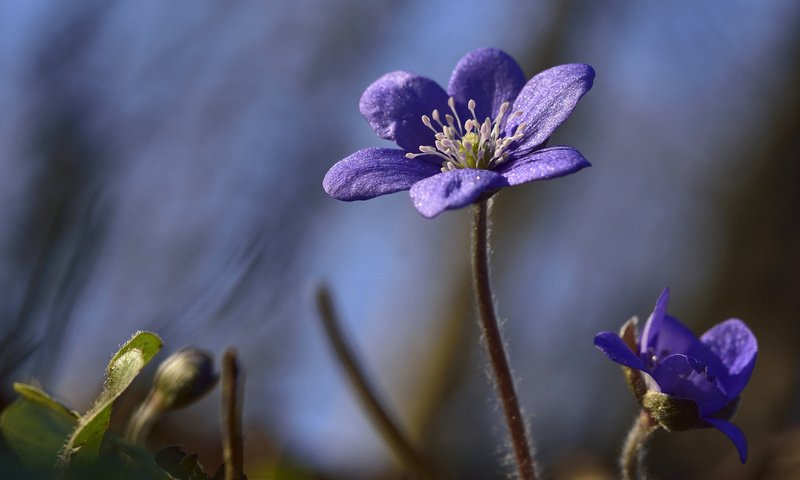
[
  {"x": 543, "y": 164},
  {"x": 675, "y": 337},
  {"x": 685, "y": 377},
  {"x": 395, "y": 104},
  {"x": 453, "y": 189},
  {"x": 547, "y": 100},
  {"x": 372, "y": 172},
  {"x": 736, "y": 347},
  {"x": 615, "y": 349},
  {"x": 653, "y": 325},
  {"x": 488, "y": 76},
  {"x": 663, "y": 335},
  {"x": 733, "y": 433}
]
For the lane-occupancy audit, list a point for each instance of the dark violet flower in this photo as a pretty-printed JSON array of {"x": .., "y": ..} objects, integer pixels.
[
  {"x": 687, "y": 382},
  {"x": 486, "y": 132}
]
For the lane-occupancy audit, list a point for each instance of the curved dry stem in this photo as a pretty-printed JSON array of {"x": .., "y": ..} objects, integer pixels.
[
  {"x": 232, "y": 449},
  {"x": 386, "y": 425}
]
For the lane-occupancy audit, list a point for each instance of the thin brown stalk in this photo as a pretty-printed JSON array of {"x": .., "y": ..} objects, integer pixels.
[{"x": 495, "y": 348}]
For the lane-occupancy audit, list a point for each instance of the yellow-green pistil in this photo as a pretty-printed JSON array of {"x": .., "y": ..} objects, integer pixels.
[{"x": 473, "y": 144}]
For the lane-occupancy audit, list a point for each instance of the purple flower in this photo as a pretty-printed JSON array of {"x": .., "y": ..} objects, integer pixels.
[
  {"x": 710, "y": 371},
  {"x": 486, "y": 132}
]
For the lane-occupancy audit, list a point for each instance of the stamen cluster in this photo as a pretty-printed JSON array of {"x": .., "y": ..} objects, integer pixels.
[{"x": 473, "y": 144}]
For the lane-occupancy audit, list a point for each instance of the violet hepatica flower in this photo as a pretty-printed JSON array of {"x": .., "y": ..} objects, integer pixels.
[
  {"x": 486, "y": 132},
  {"x": 680, "y": 370}
]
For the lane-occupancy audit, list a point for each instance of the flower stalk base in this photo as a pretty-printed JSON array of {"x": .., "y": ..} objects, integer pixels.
[{"x": 633, "y": 452}]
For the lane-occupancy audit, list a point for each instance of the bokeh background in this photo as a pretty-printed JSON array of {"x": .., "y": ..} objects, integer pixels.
[{"x": 162, "y": 166}]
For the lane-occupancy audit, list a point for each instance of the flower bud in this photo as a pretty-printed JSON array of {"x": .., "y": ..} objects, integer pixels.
[{"x": 184, "y": 378}]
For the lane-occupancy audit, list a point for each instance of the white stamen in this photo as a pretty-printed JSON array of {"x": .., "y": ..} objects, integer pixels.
[
  {"x": 470, "y": 144},
  {"x": 435, "y": 116},
  {"x": 452, "y": 104},
  {"x": 426, "y": 120}
]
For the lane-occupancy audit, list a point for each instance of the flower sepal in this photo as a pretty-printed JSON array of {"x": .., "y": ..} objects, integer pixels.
[
  {"x": 673, "y": 414},
  {"x": 636, "y": 382},
  {"x": 633, "y": 377}
]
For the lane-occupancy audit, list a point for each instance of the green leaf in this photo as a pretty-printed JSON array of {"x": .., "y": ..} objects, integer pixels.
[
  {"x": 39, "y": 396},
  {"x": 180, "y": 465},
  {"x": 118, "y": 460},
  {"x": 138, "y": 460},
  {"x": 36, "y": 431},
  {"x": 84, "y": 443}
]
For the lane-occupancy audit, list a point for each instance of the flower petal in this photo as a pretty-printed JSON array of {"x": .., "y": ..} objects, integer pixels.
[
  {"x": 488, "y": 76},
  {"x": 617, "y": 351},
  {"x": 736, "y": 347},
  {"x": 372, "y": 172},
  {"x": 733, "y": 433},
  {"x": 675, "y": 337},
  {"x": 684, "y": 377},
  {"x": 453, "y": 189},
  {"x": 543, "y": 164},
  {"x": 653, "y": 325},
  {"x": 395, "y": 104},
  {"x": 547, "y": 100}
]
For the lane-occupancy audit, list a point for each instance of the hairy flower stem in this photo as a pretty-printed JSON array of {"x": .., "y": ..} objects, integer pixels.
[
  {"x": 632, "y": 460},
  {"x": 494, "y": 342},
  {"x": 387, "y": 427}
]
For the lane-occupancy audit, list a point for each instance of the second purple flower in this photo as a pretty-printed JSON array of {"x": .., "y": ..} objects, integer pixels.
[
  {"x": 668, "y": 364},
  {"x": 486, "y": 132}
]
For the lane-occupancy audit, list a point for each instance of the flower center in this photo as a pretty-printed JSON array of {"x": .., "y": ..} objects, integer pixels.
[{"x": 472, "y": 144}]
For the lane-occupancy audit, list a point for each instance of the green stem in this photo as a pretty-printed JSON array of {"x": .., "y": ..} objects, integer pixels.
[
  {"x": 143, "y": 418},
  {"x": 494, "y": 343},
  {"x": 633, "y": 452},
  {"x": 387, "y": 427}
]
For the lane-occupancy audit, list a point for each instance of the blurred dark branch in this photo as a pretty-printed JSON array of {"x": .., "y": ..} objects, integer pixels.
[
  {"x": 761, "y": 265},
  {"x": 547, "y": 52},
  {"x": 71, "y": 33},
  {"x": 760, "y": 272},
  {"x": 540, "y": 55},
  {"x": 57, "y": 241},
  {"x": 778, "y": 457},
  {"x": 229, "y": 289},
  {"x": 54, "y": 244}
]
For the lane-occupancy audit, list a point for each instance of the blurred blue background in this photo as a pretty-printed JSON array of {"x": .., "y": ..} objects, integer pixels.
[{"x": 162, "y": 166}]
